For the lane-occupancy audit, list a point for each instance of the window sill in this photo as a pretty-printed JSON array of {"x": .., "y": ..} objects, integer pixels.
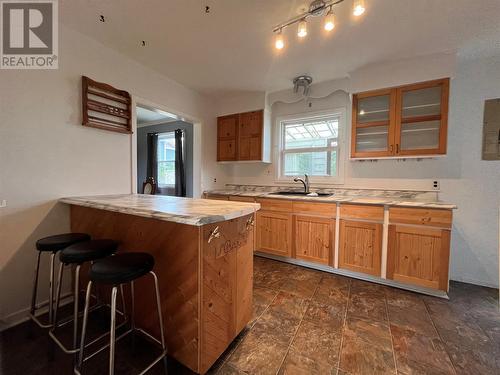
[{"x": 312, "y": 181}]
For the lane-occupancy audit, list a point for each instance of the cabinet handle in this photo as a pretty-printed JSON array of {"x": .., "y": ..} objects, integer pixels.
[
  {"x": 214, "y": 234},
  {"x": 392, "y": 148},
  {"x": 397, "y": 148}
]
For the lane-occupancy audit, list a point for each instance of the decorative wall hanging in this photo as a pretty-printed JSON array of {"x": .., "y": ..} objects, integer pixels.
[
  {"x": 105, "y": 107},
  {"x": 491, "y": 130}
]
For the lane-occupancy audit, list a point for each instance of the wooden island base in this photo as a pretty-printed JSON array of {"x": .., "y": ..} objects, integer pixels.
[{"x": 205, "y": 287}]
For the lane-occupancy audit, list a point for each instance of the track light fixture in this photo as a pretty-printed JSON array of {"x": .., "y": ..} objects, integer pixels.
[{"x": 316, "y": 8}]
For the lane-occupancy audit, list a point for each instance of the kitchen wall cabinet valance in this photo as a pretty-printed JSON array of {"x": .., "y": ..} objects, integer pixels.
[
  {"x": 403, "y": 121},
  {"x": 105, "y": 107},
  {"x": 243, "y": 137}
]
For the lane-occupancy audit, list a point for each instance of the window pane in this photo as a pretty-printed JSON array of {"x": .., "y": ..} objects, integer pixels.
[
  {"x": 310, "y": 134},
  {"x": 420, "y": 135},
  {"x": 373, "y": 138},
  {"x": 422, "y": 102},
  {"x": 373, "y": 108},
  {"x": 166, "y": 173},
  {"x": 323, "y": 163}
]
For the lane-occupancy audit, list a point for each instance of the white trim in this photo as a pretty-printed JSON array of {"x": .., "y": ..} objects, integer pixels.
[
  {"x": 385, "y": 243},
  {"x": 157, "y": 122},
  {"x": 197, "y": 136},
  {"x": 341, "y": 156},
  {"x": 355, "y": 275}
]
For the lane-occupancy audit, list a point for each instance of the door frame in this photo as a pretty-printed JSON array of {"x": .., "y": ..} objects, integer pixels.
[{"x": 197, "y": 137}]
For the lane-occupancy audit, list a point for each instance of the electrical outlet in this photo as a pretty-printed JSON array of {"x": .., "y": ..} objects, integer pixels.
[
  {"x": 436, "y": 185},
  {"x": 3, "y": 203},
  {"x": 215, "y": 180}
]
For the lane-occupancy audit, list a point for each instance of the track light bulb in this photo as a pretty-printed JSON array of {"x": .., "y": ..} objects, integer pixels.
[
  {"x": 302, "y": 30},
  {"x": 358, "y": 7},
  {"x": 279, "y": 42},
  {"x": 329, "y": 21}
]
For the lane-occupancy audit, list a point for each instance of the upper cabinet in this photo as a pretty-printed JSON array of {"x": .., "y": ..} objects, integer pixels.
[
  {"x": 243, "y": 137},
  {"x": 403, "y": 121}
]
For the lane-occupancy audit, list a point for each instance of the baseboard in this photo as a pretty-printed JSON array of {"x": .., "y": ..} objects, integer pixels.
[{"x": 21, "y": 316}]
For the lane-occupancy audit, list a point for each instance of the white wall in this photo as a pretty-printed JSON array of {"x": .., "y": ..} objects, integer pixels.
[
  {"x": 467, "y": 181},
  {"x": 46, "y": 154}
]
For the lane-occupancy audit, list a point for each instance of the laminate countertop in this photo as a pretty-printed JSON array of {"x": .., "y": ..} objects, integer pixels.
[
  {"x": 188, "y": 211},
  {"x": 370, "y": 197}
]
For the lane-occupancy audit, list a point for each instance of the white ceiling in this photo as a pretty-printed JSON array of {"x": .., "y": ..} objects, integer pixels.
[
  {"x": 146, "y": 116},
  {"x": 231, "y": 48}
]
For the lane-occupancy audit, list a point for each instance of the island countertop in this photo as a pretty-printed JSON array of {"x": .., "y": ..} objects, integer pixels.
[{"x": 188, "y": 211}]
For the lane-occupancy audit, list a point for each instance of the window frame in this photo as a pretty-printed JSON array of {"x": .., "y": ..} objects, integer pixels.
[
  {"x": 279, "y": 153},
  {"x": 165, "y": 161}
]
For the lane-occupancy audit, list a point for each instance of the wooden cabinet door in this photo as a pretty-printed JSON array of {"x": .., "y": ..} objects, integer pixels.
[
  {"x": 274, "y": 233},
  {"x": 360, "y": 246},
  {"x": 314, "y": 239},
  {"x": 250, "y": 135},
  {"x": 227, "y": 127},
  {"x": 226, "y": 150},
  {"x": 419, "y": 256}
]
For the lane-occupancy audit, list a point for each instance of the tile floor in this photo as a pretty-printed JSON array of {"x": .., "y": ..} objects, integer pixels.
[{"x": 310, "y": 322}]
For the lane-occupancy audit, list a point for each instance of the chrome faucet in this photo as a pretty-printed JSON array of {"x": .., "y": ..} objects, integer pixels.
[{"x": 305, "y": 182}]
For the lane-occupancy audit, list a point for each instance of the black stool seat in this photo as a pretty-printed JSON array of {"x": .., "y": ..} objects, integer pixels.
[
  {"x": 88, "y": 251},
  {"x": 60, "y": 241},
  {"x": 121, "y": 268}
]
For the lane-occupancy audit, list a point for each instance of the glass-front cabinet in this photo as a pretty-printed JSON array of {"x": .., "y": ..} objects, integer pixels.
[{"x": 402, "y": 121}]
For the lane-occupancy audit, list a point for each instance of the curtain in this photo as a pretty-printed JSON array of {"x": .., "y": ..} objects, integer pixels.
[
  {"x": 180, "y": 173},
  {"x": 152, "y": 167}
]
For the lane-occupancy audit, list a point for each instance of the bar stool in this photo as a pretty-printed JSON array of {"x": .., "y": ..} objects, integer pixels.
[
  {"x": 78, "y": 254},
  {"x": 116, "y": 271},
  {"x": 44, "y": 245}
]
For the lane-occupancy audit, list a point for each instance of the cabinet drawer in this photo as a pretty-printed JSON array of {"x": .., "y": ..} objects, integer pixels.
[
  {"x": 237, "y": 198},
  {"x": 421, "y": 216},
  {"x": 275, "y": 205},
  {"x": 317, "y": 209},
  {"x": 362, "y": 212}
]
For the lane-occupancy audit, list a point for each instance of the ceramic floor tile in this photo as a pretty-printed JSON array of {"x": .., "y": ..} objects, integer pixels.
[
  {"x": 277, "y": 326},
  {"x": 415, "y": 319},
  {"x": 298, "y": 364},
  {"x": 301, "y": 288},
  {"x": 258, "y": 355},
  {"x": 359, "y": 357},
  {"x": 373, "y": 332},
  {"x": 262, "y": 298},
  {"x": 483, "y": 359},
  {"x": 318, "y": 342},
  {"x": 368, "y": 307},
  {"x": 413, "y": 349},
  {"x": 289, "y": 304},
  {"x": 332, "y": 315}
]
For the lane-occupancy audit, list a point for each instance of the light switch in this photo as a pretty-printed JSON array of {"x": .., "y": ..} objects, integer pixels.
[{"x": 3, "y": 203}]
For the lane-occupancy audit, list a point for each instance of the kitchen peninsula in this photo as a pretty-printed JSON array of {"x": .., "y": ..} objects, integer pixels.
[{"x": 204, "y": 261}]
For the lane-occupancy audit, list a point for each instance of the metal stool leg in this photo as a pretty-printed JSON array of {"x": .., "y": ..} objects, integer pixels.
[
  {"x": 34, "y": 306},
  {"x": 84, "y": 326},
  {"x": 158, "y": 306},
  {"x": 58, "y": 295},
  {"x": 112, "y": 335},
  {"x": 76, "y": 293}
]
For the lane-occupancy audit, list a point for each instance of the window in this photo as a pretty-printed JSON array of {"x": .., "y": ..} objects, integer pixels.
[
  {"x": 166, "y": 159},
  {"x": 310, "y": 146}
]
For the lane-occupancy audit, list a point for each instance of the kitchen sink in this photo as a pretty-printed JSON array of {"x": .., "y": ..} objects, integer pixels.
[{"x": 300, "y": 193}]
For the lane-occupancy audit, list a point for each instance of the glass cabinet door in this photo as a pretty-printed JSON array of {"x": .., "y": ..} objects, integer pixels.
[
  {"x": 373, "y": 123},
  {"x": 423, "y": 110}
]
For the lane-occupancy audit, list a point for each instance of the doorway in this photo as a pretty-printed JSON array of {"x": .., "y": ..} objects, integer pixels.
[{"x": 165, "y": 151}]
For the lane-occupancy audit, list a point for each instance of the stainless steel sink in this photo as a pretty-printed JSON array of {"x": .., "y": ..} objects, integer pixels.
[{"x": 300, "y": 193}]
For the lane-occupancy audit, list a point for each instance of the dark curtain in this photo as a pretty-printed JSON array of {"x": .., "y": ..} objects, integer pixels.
[
  {"x": 180, "y": 173},
  {"x": 152, "y": 167}
]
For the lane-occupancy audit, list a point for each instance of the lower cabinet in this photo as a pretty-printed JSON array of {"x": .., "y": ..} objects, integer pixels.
[
  {"x": 360, "y": 248},
  {"x": 274, "y": 233},
  {"x": 314, "y": 239},
  {"x": 419, "y": 256}
]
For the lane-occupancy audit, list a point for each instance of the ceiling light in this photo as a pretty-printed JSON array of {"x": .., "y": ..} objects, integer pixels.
[
  {"x": 316, "y": 8},
  {"x": 302, "y": 30},
  {"x": 279, "y": 42},
  {"x": 358, "y": 7},
  {"x": 329, "y": 21}
]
